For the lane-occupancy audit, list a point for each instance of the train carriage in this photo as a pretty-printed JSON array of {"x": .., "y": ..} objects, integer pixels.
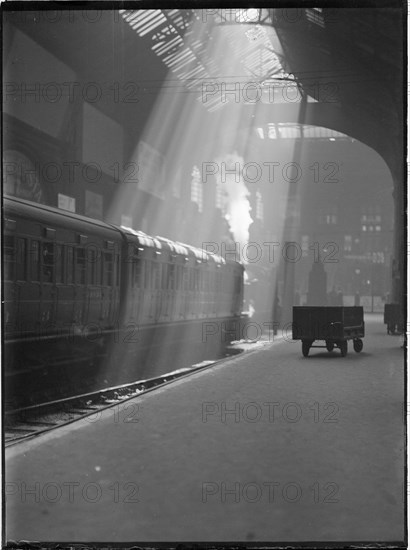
[
  {"x": 61, "y": 272},
  {"x": 60, "y": 278},
  {"x": 76, "y": 288}
]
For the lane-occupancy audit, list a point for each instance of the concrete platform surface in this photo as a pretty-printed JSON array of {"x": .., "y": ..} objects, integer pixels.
[{"x": 267, "y": 446}]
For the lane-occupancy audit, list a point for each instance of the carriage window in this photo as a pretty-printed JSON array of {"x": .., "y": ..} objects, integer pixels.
[
  {"x": 92, "y": 265},
  {"x": 108, "y": 269},
  {"x": 80, "y": 266},
  {"x": 178, "y": 285},
  {"x": 171, "y": 277},
  {"x": 48, "y": 262},
  {"x": 147, "y": 280},
  {"x": 191, "y": 279},
  {"x": 59, "y": 263},
  {"x": 21, "y": 259},
  {"x": 210, "y": 279},
  {"x": 218, "y": 282},
  {"x": 206, "y": 281},
  {"x": 35, "y": 261},
  {"x": 117, "y": 270},
  {"x": 186, "y": 278},
  {"x": 164, "y": 276},
  {"x": 95, "y": 264},
  {"x": 137, "y": 272},
  {"x": 156, "y": 275},
  {"x": 9, "y": 257},
  {"x": 195, "y": 279},
  {"x": 98, "y": 268},
  {"x": 70, "y": 265}
]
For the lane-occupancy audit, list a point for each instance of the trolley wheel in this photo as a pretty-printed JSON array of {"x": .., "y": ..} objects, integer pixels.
[
  {"x": 358, "y": 345},
  {"x": 329, "y": 345},
  {"x": 305, "y": 347},
  {"x": 343, "y": 348}
]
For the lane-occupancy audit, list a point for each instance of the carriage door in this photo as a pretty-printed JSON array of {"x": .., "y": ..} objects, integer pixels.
[
  {"x": 48, "y": 287},
  {"x": 10, "y": 297},
  {"x": 107, "y": 285},
  {"x": 156, "y": 291}
]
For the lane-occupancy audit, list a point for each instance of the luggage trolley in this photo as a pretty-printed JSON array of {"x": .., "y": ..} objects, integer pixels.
[{"x": 333, "y": 324}]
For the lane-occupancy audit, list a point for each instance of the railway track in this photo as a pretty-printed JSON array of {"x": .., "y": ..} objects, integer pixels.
[
  {"x": 24, "y": 423},
  {"x": 27, "y": 422}
]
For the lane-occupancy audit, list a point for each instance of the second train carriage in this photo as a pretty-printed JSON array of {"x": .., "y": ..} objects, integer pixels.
[{"x": 165, "y": 281}]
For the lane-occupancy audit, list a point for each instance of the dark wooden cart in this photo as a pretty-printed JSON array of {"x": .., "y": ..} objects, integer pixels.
[
  {"x": 393, "y": 318},
  {"x": 335, "y": 325}
]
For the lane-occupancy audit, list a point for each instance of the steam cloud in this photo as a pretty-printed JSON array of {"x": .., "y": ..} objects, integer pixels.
[{"x": 237, "y": 206}]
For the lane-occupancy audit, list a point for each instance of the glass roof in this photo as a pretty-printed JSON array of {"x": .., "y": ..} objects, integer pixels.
[{"x": 185, "y": 42}]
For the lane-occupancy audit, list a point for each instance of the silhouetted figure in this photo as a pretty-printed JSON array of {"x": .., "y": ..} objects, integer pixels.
[
  {"x": 317, "y": 286},
  {"x": 339, "y": 299},
  {"x": 277, "y": 314},
  {"x": 357, "y": 299}
]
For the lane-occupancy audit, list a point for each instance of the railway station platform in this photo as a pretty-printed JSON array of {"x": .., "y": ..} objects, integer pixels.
[{"x": 267, "y": 446}]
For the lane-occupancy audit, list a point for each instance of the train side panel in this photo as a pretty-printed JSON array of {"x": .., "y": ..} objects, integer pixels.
[
  {"x": 61, "y": 282},
  {"x": 87, "y": 298}
]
